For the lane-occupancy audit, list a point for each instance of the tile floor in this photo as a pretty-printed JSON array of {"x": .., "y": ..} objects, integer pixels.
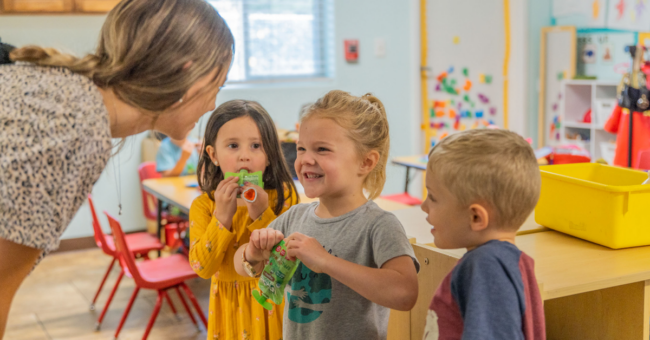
[{"x": 53, "y": 303}]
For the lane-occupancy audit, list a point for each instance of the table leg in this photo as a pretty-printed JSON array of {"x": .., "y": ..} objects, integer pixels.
[
  {"x": 159, "y": 218},
  {"x": 621, "y": 312},
  {"x": 406, "y": 185}
]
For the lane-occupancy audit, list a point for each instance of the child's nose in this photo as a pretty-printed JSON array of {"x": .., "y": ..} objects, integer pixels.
[
  {"x": 307, "y": 159},
  {"x": 244, "y": 155}
]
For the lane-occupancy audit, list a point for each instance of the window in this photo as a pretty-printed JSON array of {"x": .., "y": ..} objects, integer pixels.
[{"x": 279, "y": 39}]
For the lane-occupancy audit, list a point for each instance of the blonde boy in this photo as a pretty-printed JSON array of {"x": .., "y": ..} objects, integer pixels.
[{"x": 482, "y": 185}]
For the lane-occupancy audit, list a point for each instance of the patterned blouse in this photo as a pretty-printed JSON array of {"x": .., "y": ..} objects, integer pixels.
[{"x": 55, "y": 141}]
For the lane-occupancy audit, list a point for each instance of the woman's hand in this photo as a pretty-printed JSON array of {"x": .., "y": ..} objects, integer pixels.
[
  {"x": 261, "y": 243},
  {"x": 255, "y": 209},
  {"x": 225, "y": 201},
  {"x": 308, "y": 250}
]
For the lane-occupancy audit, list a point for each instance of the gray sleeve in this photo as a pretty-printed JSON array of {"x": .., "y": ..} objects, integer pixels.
[
  {"x": 389, "y": 241},
  {"x": 281, "y": 222}
]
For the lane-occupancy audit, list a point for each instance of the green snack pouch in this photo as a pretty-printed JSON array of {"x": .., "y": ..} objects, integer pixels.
[
  {"x": 275, "y": 276},
  {"x": 244, "y": 176}
]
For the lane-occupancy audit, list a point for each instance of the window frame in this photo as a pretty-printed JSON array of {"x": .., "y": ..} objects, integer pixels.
[{"x": 323, "y": 11}]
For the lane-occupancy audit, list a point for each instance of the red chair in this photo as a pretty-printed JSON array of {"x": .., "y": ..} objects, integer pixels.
[
  {"x": 403, "y": 198},
  {"x": 160, "y": 274},
  {"x": 147, "y": 170},
  {"x": 140, "y": 243}
]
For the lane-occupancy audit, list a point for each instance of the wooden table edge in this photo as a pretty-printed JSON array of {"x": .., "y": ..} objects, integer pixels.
[{"x": 162, "y": 197}]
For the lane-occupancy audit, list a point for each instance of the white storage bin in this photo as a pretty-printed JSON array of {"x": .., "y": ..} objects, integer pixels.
[
  {"x": 607, "y": 151},
  {"x": 603, "y": 110}
]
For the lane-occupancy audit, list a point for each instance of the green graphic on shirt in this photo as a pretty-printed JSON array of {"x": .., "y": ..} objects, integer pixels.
[{"x": 309, "y": 292}]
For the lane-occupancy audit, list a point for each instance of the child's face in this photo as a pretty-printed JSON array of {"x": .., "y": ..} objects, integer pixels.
[
  {"x": 239, "y": 146},
  {"x": 450, "y": 222},
  {"x": 327, "y": 163}
]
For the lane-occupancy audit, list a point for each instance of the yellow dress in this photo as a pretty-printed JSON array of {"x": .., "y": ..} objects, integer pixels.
[{"x": 233, "y": 313}]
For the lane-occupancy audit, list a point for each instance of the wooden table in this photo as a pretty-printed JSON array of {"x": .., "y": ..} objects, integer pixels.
[
  {"x": 414, "y": 221},
  {"x": 174, "y": 190},
  {"x": 589, "y": 291},
  {"x": 410, "y": 162}
]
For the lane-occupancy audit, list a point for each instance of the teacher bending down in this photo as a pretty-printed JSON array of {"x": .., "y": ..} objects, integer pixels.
[{"x": 159, "y": 65}]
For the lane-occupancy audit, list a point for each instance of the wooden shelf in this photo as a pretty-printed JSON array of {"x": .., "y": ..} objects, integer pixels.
[
  {"x": 578, "y": 125},
  {"x": 56, "y": 6}
]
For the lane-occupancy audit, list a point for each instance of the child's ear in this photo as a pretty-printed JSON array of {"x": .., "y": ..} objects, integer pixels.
[
  {"x": 213, "y": 154},
  {"x": 479, "y": 217},
  {"x": 369, "y": 162}
]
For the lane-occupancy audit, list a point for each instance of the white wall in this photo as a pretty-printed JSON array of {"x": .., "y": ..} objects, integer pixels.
[
  {"x": 393, "y": 78},
  {"x": 518, "y": 115}
]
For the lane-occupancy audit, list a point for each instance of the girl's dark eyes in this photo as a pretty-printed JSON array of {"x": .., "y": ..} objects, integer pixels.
[
  {"x": 300, "y": 148},
  {"x": 232, "y": 146},
  {"x": 257, "y": 146},
  {"x": 322, "y": 149}
]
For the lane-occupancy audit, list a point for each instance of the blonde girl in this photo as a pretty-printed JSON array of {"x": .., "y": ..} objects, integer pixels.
[{"x": 356, "y": 262}]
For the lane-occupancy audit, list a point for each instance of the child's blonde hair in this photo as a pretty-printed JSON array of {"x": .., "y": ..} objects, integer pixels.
[
  {"x": 494, "y": 167},
  {"x": 365, "y": 120}
]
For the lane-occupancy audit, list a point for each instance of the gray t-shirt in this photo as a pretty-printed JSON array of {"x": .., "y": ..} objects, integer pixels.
[{"x": 319, "y": 307}]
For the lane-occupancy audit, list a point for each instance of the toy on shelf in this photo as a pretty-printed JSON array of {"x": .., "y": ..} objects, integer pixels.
[{"x": 587, "y": 117}]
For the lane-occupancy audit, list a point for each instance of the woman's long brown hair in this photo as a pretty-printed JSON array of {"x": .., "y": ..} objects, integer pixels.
[
  {"x": 150, "y": 52},
  {"x": 276, "y": 175}
]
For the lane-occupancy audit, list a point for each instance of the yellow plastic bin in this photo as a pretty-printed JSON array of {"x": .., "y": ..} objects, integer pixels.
[{"x": 598, "y": 203}]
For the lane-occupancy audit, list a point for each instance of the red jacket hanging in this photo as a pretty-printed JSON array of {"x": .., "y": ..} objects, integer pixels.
[{"x": 618, "y": 123}]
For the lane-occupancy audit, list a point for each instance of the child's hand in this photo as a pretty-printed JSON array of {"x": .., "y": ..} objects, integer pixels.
[
  {"x": 307, "y": 250},
  {"x": 256, "y": 208},
  {"x": 225, "y": 201},
  {"x": 188, "y": 147},
  {"x": 261, "y": 243}
]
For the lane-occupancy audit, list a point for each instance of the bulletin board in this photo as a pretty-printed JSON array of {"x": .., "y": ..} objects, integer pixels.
[
  {"x": 557, "y": 63},
  {"x": 465, "y": 58}
]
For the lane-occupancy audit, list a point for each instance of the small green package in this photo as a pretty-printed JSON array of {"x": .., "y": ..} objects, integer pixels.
[
  {"x": 244, "y": 176},
  {"x": 275, "y": 276}
]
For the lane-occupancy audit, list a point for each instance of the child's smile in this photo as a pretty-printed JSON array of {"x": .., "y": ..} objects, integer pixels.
[{"x": 327, "y": 162}]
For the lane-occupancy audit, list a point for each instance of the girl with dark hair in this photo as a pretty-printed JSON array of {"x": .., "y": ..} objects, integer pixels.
[{"x": 239, "y": 135}]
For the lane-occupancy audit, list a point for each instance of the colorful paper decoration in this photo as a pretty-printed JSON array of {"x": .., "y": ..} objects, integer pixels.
[{"x": 468, "y": 85}]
